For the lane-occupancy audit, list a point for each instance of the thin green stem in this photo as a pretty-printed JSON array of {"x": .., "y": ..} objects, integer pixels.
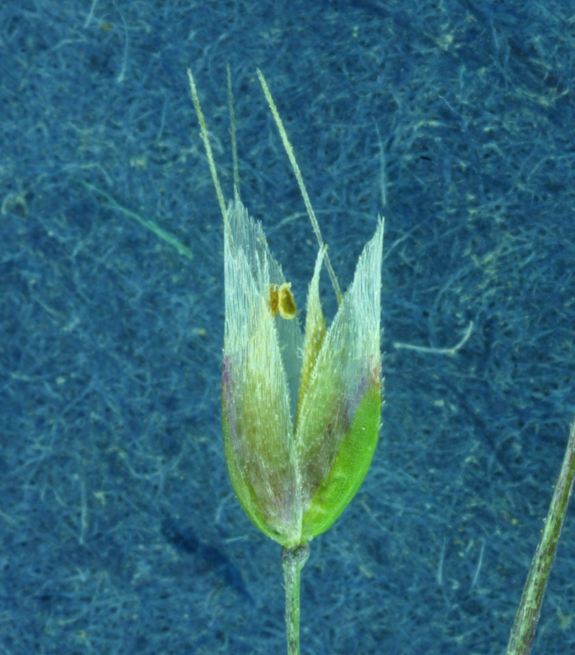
[
  {"x": 293, "y": 561},
  {"x": 534, "y": 591}
]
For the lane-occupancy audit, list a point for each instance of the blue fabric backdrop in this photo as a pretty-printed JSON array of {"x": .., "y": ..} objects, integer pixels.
[{"x": 119, "y": 530}]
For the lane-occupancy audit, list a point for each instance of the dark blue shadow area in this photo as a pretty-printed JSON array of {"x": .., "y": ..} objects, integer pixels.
[{"x": 207, "y": 557}]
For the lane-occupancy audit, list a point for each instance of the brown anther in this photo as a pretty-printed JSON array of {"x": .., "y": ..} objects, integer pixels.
[
  {"x": 274, "y": 299},
  {"x": 287, "y": 307}
]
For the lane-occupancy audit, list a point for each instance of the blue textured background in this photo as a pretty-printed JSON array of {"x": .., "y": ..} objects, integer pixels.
[{"x": 119, "y": 531}]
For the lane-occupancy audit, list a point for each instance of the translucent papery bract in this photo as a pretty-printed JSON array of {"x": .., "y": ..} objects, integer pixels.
[
  {"x": 256, "y": 391},
  {"x": 339, "y": 412}
]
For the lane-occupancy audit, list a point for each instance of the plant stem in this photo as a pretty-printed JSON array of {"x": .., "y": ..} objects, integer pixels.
[
  {"x": 532, "y": 598},
  {"x": 293, "y": 561}
]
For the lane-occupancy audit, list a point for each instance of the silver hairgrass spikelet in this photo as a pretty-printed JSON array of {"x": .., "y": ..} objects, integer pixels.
[
  {"x": 300, "y": 411},
  {"x": 301, "y": 414}
]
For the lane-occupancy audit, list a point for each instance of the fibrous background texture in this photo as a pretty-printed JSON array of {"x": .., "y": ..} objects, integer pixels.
[{"x": 119, "y": 531}]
